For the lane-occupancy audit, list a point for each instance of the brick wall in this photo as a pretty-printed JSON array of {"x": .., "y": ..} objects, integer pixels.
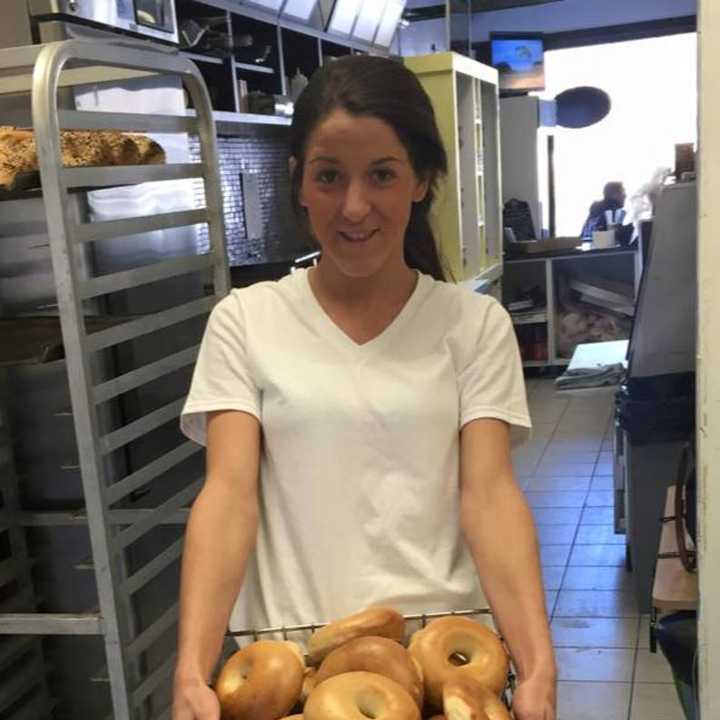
[{"x": 268, "y": 157}]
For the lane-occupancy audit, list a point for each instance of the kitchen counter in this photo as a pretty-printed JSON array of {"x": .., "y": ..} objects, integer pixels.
[{"x": 582, "y": 250}]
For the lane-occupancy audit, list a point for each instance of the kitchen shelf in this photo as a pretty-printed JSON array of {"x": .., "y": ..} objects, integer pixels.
[
  {"x": 530, "y": 318},
  {"x": 233, "y": 118},
  {"x": 541, "y": 272},
  {"x": 264, "y": 69},
  {"x": 197, "y": 57}
]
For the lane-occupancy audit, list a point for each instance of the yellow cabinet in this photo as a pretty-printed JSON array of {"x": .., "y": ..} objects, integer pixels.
[{"x": 467, "y": 214}]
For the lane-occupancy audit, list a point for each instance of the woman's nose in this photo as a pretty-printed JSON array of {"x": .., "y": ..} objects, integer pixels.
[{"x": 355, "y": 203}]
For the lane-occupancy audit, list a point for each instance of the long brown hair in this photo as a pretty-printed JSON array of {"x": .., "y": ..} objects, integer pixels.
[{"x": 385, "y": 89}]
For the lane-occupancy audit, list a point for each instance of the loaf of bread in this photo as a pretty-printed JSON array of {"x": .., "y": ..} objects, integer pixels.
[{"x": 80, "y": 148}]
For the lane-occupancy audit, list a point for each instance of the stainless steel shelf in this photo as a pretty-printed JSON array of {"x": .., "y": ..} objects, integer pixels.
[
  {"x": 230, "y": 120},
  {"x": 79, "y": 518},
  {"x": 262, "y": 69},
  {"x": 198, "y": 57},
  {"x": 140, "y": 122},
  {"x": 100, "y": 177},
  {"x": 50, "y": 624},
  {"x": 109, "y": 229},
  {"x": 530, "y": 318}
]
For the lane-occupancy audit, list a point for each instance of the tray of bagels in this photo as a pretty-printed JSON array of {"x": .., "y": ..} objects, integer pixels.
[
  {"x": 19, "y": 171},
  {"x": 371, "y": 666}
]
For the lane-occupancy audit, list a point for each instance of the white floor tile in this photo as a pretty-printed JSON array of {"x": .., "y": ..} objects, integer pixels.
[
  {"x": 655, "y": 701},
  {"x": 554, "y": 555},
  {"x": 593, "y": 701},
  {"x": 556, "y": 516},
  {"x": 595, "y": 664},
  {"x": 596, "y": 603},
  {"x": 601, "y": 482},
  {"x": 596, "y": 578},
  {"x": 555, "y": 534},
  {"x": 644, "y": 640},
  {"x": 597, "y": 555},
  {"x": 600, "y": 498},
  {"x": 594, "y": 632},
  {"x": 559, "y": 455},
  {"x": 557, "y": 499},
  {"x": 552, "y": 577},
  {"x": 598, "y": 516},
  {"x": 599, "y": 535},
  {"x": 604, "y": 467},
  {"x": 553, "y": 468},
  {"x": 555, "y": 484},
  {"x": 652, "y": 667}
]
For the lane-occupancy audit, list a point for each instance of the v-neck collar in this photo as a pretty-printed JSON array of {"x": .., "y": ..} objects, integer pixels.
[{"x": 334, "y": 331}]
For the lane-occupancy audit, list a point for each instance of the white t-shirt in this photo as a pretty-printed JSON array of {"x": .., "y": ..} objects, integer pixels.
[{"x": 359, "y": 494}]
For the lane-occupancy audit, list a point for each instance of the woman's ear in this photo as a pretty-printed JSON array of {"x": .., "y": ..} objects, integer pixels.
[
  {"x": 421, "y": 189},
  {"x": 292, "y": 167}
]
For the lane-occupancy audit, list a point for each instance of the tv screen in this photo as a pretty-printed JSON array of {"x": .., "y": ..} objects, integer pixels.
[{"x": 519, "y": 61}]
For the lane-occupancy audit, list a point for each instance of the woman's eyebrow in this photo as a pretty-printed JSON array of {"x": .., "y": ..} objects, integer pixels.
[
  {"x": 389, "y": 158},
  {"x": 335, "y": 161},
  {"x": 324, "y": 158}
]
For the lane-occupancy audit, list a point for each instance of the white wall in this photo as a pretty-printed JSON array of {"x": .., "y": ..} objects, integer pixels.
[
  {"x": 577, "y": 14},
  {"x": 709, "y": 360}
]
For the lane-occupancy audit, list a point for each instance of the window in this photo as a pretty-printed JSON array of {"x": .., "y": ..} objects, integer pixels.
[{"x": 652, "y": 84}]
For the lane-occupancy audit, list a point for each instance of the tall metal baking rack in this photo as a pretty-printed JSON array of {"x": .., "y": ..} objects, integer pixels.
[{"x": 134, "y": 504}]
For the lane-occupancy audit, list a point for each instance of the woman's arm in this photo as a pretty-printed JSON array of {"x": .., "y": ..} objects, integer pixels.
[
  {"x": 500, "y": 533},
  {"x": 220, "y": 535}
]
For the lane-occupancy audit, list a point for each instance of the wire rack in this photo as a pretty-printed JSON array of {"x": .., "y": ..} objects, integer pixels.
[{"x": 287, "y": 630}]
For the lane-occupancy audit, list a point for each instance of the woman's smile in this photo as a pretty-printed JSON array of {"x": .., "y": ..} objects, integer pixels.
[{"x": 357, "y": 236}]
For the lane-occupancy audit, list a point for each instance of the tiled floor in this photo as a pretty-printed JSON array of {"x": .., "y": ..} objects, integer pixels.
[{"x": 606, "y": 670}]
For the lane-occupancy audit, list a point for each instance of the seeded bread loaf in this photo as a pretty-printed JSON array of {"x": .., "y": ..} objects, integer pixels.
[{"x": 79, "y": 148}]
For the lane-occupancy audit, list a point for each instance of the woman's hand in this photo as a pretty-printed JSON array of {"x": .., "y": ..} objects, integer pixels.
[
  {"x": 194, "y": 700},
  {"x": 534, "y": 699}
]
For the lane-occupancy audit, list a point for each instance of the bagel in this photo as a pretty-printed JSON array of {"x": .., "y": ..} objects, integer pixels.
[
  {"x": 380, "y": 621},
  {"x": 359, "y": 696},
  {"x": 466, "y": 699},
  {"x": 456, "y": 645},
  {"x": 261, "y": 682},
  {"x": 376, "y": 655},
  {"x": 309, "y": 683}
]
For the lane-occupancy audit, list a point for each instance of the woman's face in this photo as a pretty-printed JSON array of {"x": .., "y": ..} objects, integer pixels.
[{"x": 358, "y": 187}]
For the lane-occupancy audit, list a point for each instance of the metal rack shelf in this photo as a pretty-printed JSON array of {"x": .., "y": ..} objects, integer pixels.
[
  {"x": 22, "y": 664},
  {"x": 129, "y": 500}
]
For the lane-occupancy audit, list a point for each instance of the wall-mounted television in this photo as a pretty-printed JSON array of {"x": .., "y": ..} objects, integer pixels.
[{"x": 519, "y": 60}]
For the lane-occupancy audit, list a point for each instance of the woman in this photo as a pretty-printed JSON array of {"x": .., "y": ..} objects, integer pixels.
[{"x": 357, "y": 415}]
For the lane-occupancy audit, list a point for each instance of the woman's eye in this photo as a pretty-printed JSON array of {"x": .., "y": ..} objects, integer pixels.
[
  {"x": 327, "y": 177},
  {"x": 383, "y": 175}
]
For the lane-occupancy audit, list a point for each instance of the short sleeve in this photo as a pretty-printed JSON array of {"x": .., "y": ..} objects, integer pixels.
[
  {"x": 492, "y": 383},
  {"x": 222, "y": 379}
]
